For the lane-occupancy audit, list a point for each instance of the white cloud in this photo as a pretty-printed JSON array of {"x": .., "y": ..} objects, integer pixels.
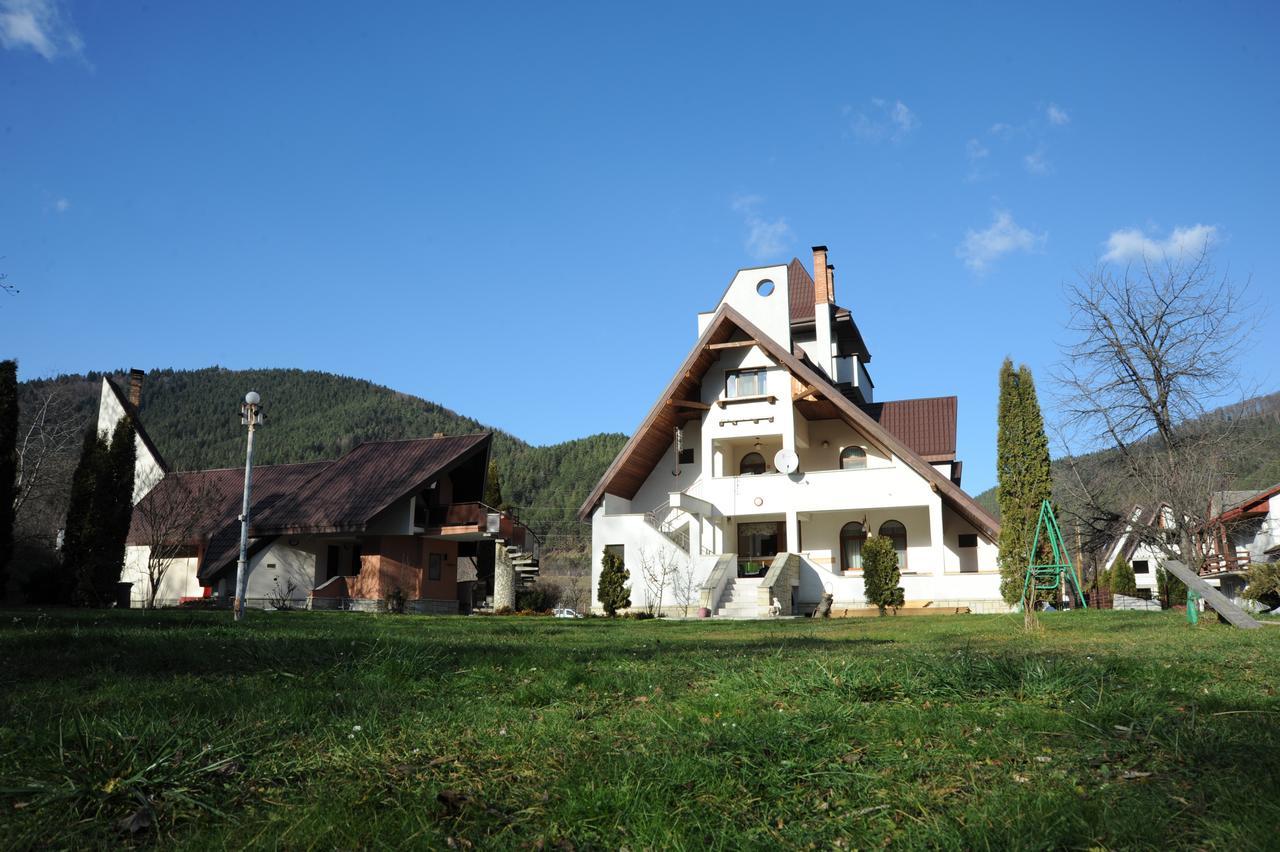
[
  {"x": 1001, "y": 129},
  {"x": 1057, "y": 115},
  {"x": 975, "y": 150},
  {"x": 62, "y": 205},
  {"x": 892, "y": 121},
  {"x": 1037, "y": 162},
  {"x": 38, "y": 25},
  {"x": 1130, "y": 244},
  {"x": 766, "y": 238},
  {"x": 1004, "y": 236}
]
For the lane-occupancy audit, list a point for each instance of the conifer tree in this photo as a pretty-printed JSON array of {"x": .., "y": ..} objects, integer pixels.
[
  {"x": 1123, "y": 581},
  {"x": 8, "y": 464},
  {"x": 84, "y": 531},
  {"x": 1023, "y": 471},
  {"x": 613, "y": 593},
  {"x": 98, "y": 515},
  {"x": 493, "y": 487},
  {"x": 880, "y": 573}
]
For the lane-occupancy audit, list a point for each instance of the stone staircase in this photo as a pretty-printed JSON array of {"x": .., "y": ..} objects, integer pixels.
[{"x": 740, "y": 599}]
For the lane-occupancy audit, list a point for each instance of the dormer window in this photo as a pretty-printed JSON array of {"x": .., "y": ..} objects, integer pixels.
[
  {"x": 744, "y": 383},
  {"x": 853, "y": 458}
]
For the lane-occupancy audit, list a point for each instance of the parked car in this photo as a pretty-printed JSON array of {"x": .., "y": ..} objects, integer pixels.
[{"x": 565, "y": 612}]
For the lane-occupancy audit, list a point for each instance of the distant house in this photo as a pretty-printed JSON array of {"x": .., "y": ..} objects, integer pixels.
[
  {"x": 1137, "y": 544},
  {"x": 389, "y": 517},
  {"x": 1244, "y": 529},
  {"x": 766, "y": 462}
]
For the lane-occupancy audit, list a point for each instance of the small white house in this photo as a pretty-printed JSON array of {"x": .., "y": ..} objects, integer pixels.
[{"x": 768, "y": 460}]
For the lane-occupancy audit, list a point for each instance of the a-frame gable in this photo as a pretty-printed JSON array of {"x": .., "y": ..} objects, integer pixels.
[{"x": 645, "y": 448}]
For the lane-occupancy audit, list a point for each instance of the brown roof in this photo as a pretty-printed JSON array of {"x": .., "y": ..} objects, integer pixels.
[
  {"x": 927, "y": 426},
  {"x": 640, "y": 454},
  {"x": 799, "y": 291},
  {"x": 313, "y": 497},
  {"x": 351, "y": 490}
]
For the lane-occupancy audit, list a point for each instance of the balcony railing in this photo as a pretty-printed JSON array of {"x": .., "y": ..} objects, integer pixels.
[
  {"x": 485, "y": 519},
  {"x": 1216, "y": 564}
]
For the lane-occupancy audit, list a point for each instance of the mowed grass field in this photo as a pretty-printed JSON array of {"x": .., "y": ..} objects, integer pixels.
[{"x": 342, "y": 730}]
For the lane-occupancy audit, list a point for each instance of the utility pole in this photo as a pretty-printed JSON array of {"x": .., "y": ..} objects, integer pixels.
[{"x": 251, "y": 416}]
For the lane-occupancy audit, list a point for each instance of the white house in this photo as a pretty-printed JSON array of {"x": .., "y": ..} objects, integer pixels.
[
  {"x": 767, "y": 461},
  {"x": 1136, "y": 547}
]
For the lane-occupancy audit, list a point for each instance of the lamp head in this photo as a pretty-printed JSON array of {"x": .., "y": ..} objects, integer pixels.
[{"x": 252, "y": 398}]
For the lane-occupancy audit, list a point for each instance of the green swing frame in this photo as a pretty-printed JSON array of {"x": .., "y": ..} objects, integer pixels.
[{"x": 1047, "y": 576}]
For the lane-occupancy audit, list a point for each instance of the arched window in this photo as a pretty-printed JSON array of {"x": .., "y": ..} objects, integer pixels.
[
  {"x": 897, "y": 533},
  {"x": 853, "y": 458},
  {"x": 852, "y": 535},
  {"x": 751, "y": 464}
]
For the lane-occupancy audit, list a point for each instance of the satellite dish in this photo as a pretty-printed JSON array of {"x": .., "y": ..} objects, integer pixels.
[{"x": 786, "y": 461}]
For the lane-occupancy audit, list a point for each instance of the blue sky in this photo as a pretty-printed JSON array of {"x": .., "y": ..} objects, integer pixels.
[{"x": 517, "y": 210}]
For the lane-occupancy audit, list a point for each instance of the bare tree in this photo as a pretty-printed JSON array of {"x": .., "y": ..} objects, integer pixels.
[
  {"x": 168, "y": 523},
  {"x": 1155, "y": 344},
  {"x": 683, "y": 588},
  {"x": 46, "y": 450},
  {"x": 656, "y": 571}
]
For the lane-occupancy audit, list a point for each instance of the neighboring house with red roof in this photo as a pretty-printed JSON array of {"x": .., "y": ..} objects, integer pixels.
[
  {"x": 1244, "y": 530},
  {"x": 768, "y": 460},
  {"x": 388, "y": 516}
]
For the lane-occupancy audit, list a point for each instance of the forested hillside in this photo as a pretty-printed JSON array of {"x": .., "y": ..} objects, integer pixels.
[
  {"x": 192, "y": 415},
  {"x": 1255, "y": 428}
]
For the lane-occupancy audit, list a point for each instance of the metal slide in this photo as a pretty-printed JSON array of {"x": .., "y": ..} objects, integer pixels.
[{"x": 1214, "y": 598}]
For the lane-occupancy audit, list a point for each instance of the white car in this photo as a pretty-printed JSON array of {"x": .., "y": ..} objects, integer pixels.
[{"x": 565, "y": 613}]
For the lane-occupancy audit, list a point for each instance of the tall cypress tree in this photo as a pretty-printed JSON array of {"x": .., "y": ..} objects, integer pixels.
[
  {"x": 8, "y": 464},
  {"x": 1024, "y": 474},
  {"x": 98, "y": 515},
  {"x": 84, "y": 530},
  {"x": 116, "y": 492}
]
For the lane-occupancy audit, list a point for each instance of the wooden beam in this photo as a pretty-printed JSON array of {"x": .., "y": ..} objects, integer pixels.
[
  {"x": 803, "y": 392},
  {"x": 732, "y": 344},
  {"x": 688, "y": 403}
]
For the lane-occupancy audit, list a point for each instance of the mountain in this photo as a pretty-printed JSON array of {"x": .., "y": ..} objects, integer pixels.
[
  {"x": 1256, "y": 428},
  {"x": 193, "y": 418}
]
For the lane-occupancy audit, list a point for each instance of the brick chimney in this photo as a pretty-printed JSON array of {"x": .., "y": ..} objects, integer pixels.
[
  {"x": 135, "y": 387},
  {"x": 823, "y": 299},
  {"x": 823, "y": 287}
]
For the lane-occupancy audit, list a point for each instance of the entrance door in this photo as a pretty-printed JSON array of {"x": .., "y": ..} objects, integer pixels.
[{"x": 758, "y": 543}]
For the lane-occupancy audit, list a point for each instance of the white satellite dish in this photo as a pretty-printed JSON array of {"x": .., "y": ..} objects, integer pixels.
[{"x": 786, "y": 461}]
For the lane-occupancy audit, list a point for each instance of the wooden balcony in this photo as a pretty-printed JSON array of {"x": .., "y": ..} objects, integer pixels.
[
  {"x": 1216, "y": 564},
  {"x": 476, "y": 520}
]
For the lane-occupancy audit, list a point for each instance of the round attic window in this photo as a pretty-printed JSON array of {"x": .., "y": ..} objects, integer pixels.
[{"x": 765, "y": 287}]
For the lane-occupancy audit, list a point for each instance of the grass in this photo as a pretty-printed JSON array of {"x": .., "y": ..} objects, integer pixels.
[{"x": 343, "y": 730}]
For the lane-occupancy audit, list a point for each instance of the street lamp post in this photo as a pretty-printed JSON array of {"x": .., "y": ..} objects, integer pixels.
[{"x": 251, "y": 416}]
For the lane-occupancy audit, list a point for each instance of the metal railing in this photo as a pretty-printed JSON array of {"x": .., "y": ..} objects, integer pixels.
[{"x": 666, "y": 519}]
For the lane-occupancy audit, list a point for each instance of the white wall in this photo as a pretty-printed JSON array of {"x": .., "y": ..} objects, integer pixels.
[
  {"x": 147, "y": 470},
  {"x": 179, "y": 579}
]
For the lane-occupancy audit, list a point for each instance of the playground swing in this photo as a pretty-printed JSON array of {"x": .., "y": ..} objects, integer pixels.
[{"x": 1048, "y": 576}]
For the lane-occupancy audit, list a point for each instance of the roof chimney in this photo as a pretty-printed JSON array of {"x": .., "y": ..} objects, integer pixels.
[
  {"x": 135, "y": 387},
  {"x": 822, "y": 290},
  {"x": 823, "y": 297}
]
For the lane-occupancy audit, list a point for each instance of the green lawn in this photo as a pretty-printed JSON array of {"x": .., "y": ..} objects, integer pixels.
[{"x": 324, "y": 730}]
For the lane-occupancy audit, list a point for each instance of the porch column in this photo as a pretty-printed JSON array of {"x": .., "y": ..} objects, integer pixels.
[
  {"x": 937, "y": 549},
  {"x": 793, "y": 532},
  {"x": 504, "y": 577}
]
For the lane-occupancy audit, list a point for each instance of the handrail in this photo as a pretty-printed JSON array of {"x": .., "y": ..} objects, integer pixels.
[
  {"x": 726, "y": 567},
  {"x": 779, "y": 582}
]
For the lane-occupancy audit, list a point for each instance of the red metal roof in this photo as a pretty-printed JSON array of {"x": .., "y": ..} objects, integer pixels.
[
  {"x": 799, "y": 291},
  {"x": 927, "y": 426}
]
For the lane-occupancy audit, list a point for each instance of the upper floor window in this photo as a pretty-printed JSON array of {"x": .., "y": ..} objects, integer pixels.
[
  {"x": 853, "y": 458},
  {"x": 751, "y": 464},
  {"x": 897, "y": 533},
  {"x": 744, "y": 383}
]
